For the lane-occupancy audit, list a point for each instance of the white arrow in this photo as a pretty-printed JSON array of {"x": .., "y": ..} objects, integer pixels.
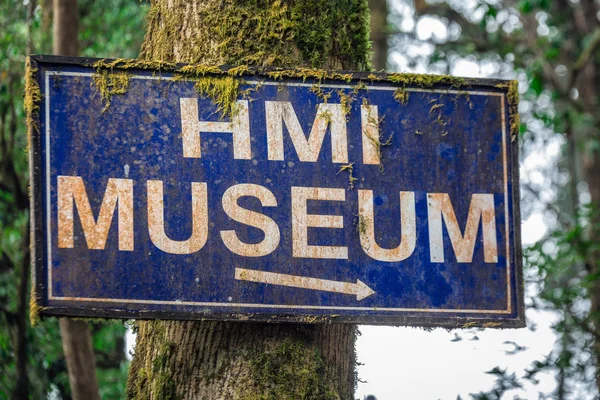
[{"x": 359, "y": 288}]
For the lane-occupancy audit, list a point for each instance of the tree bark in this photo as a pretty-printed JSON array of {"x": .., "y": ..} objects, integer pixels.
[
  {"x": 77, "y": 346},
  {"x": 76, "y": 337},
  {"x": 22, "y": 387},
  {"x": 586, "y": 82},
  {"x": 591, "y": 173},
  {"x": 379, "y": 33},
  {"x": 243, "y": 360},
  {"x": 21, "y": 390},
  {"x": 66, "y": 22}
]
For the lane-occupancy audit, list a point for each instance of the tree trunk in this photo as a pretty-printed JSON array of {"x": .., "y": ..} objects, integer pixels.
[
  {"x": 76, "y": 337},
  {"x": 21, "y": 390},
  {"x": 66, "y": 21},
  {"x": 77, "y": 346},
  {"x": 22, "y": 387},
  {"x": 587, "y": 85},
  {"x": 243, "y": 360},
  {"x": 591, "y": 173},
  {"x": 379, "y": 33}
]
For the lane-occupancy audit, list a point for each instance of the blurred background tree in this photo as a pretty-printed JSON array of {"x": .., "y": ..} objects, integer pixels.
[{"x": 32, "y": 364}]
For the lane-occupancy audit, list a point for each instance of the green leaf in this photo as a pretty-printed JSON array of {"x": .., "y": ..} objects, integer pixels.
[{"x": 525, "y": 6}]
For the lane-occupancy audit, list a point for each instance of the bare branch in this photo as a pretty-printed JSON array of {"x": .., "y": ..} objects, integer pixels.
[{"x": 587, "y": 51}]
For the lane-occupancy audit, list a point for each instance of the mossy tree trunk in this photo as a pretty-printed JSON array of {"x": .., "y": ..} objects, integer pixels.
[{"x": 243, "y": 360}]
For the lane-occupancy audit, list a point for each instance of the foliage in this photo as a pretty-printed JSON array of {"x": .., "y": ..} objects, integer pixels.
[
  {"x": 551, "y": 47},
  {"x": 26, "y": 26}
]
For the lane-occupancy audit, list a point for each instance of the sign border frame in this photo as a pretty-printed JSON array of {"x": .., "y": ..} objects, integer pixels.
[{"x": 431, "y": 319}]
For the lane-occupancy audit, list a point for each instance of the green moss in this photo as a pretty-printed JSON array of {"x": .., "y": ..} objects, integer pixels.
[
  {"x": 314, "y": 44},
  {"x": 317, "y": 319},
  {"x": 33, "y": 95},
  {"x": 362, "y": 223},
  {"x": 273, "y": 33},
  {"x": 401, "y": 96},
  {"x": 492, "y": 324},
  {"x": 34, "y": 308},
  {"x": 321, "y": 94},
  {"x": 155, "y": 381},
  {"x": 127, "y": 64},
  {"x": 238, "y": 71},
  {"x": 112, "y": 79},
  {"x": 422, "y": 81},
  {"x": 439, "y": 119},
  {"x": 426, "y": 80},
  {"x": 340, "y": 28},
  {"x": 309, "y": 73},
  {"x": 223, "y": 91},
  {"x": 326, "y": 115},
  {"x": 346, "y": 101},
  {"x": 351, "y": 178},
  {"x": 163, "y": 386},
  {"x": 290, "y": 371},
  {"x": 435, "y": 107},
  {"x": 223, "y": 86},
  {"x": 360, "y": 85},
  {"x": 513, "y": 107},
  {"x": 109, "y": 83},
  {"x": 33, "y": 98},
  {"x": 197, "y": 70},
  {"x": 376, "y": 142},
  {"x": 464, "y": 95}
]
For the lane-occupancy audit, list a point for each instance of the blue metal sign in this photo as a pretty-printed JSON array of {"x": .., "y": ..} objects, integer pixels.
[{"x": 351, "y": 198}]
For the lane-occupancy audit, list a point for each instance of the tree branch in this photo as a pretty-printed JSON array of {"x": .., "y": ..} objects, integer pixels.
[
  {"x": 582, "y": 323},
  {"x": 585, "y": 54}
]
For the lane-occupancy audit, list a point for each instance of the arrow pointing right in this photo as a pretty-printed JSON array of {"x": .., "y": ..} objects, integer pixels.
[{"x": 359, "y": 288}]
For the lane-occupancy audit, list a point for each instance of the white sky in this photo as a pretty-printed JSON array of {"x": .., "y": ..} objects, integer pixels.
[{"x": 411, "y": 363}]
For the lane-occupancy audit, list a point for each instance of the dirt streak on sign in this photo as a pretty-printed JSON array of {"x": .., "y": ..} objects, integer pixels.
[{"x": 328, "y": 198}]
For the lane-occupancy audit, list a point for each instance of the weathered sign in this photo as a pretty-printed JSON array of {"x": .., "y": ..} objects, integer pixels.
[{"x": 172, "y": 191}]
